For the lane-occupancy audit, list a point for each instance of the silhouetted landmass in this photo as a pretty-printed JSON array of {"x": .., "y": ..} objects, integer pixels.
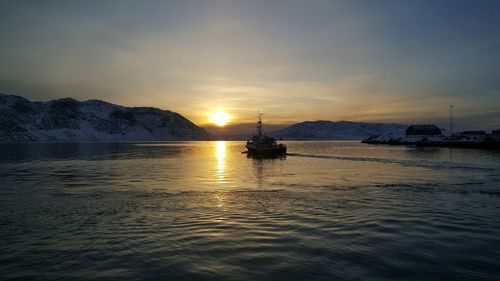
[
  {"x": 94, "y": 120},
  {"x": 342, "y": 130}
]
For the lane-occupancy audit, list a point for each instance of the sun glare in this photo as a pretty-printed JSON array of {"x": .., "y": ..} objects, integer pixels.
[{"x": 220, "y": 118}]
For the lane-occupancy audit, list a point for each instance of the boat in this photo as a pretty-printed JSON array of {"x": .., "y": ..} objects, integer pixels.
[{"x": 263, "y": 145}]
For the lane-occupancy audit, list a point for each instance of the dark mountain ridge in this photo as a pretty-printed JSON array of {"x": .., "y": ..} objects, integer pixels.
[
  {"x": 67, "y": 119},
  {"x": 341, "y": 130}
]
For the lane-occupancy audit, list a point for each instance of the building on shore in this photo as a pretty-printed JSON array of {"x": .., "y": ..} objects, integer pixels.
[
  {"x": 430, "y": 135},
  {"x": 413, "y": 134},
  {"x": 495, "y": 135},
  {"x": 423, "y": 130},
  {"x": 473, "y": 135}
]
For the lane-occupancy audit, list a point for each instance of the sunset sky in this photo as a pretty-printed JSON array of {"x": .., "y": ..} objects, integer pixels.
[{"x": 389, "y": 61}]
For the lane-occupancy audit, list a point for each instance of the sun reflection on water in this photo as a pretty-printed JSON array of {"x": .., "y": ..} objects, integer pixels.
[
  {"x": 220, "y": 155},
  {"x": 219, "y": 199}
]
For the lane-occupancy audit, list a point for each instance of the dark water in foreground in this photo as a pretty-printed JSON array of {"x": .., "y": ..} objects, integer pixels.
[{"x": 204, "y": 211}]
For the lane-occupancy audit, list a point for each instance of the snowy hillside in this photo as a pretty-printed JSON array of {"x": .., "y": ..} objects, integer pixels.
[
  {"x": 93, "y": 120},
  {"x": 343, "y": 130}
]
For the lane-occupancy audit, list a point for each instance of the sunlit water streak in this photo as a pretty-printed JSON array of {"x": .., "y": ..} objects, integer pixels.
[
  {"x": 204, "y": 211},
  {"x": 220, "y": 154}
]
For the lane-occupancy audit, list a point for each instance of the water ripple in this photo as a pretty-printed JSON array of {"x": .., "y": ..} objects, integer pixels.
[{"x": 137, "y": 212}]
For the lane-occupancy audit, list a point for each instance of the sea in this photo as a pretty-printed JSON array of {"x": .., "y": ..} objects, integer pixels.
[{"x": 329, "y": 210}]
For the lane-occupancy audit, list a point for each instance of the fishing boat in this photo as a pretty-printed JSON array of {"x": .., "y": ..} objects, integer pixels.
[{"x": 263, "y": 145}]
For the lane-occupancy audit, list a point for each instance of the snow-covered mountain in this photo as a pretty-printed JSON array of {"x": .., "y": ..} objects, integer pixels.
[
  {"x": 342, "y": 130},
  {"x": 93, "y": 120}
]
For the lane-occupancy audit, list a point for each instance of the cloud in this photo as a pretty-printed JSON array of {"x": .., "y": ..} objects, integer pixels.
[{"x": 292, "y": 60}]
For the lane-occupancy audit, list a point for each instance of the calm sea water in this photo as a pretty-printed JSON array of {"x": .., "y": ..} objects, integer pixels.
[{"x": 204, "y": 211}]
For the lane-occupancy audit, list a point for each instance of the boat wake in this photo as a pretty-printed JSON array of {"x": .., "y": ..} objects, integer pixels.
[{"x": 435, "y": 165}]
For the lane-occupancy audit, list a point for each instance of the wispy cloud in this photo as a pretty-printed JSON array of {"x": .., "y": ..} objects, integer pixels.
[{"x": 294, "y": 60}]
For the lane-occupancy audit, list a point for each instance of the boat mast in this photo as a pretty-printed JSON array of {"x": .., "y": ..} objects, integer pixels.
[{"x": 259, "y": 125}]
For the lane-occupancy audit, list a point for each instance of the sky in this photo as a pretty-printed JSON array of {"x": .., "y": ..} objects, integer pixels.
[{"x": 372, "y": 61}]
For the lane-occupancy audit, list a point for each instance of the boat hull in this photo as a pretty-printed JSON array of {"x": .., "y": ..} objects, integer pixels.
[{"x": 266, "y": 151}]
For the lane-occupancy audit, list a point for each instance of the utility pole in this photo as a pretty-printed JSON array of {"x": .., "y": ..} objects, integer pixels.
[{"x": 451, "y": 120}]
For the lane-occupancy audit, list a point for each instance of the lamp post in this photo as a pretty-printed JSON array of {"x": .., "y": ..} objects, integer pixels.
[{"x": 451, "y": 120}]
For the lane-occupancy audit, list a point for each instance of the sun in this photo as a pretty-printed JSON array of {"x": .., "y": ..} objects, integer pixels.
[{"x": 219, "y": 118}]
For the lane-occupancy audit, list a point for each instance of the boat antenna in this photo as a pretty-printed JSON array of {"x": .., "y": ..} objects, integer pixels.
[
  {"x": 451, "y": 120},
  {"x": 259, "y": 125}
]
